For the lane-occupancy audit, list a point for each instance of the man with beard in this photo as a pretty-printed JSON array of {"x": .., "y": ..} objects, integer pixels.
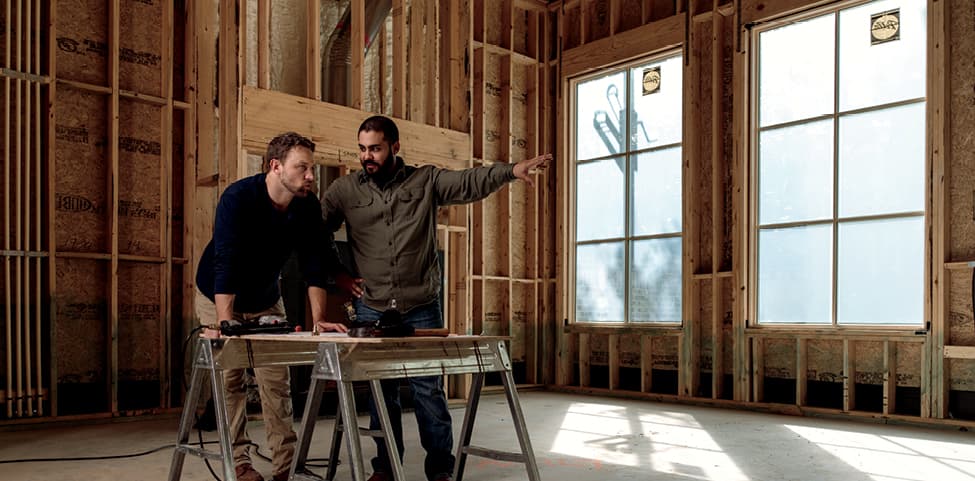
[
  {"x": 260, "y": 221},
  {"x": 390, "y": 214}
]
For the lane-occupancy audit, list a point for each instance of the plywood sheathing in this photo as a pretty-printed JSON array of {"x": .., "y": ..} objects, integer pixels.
[
  {"x": 83, "y": 41},
  {"x": 82, "y": 202},
  {"x": 82, "y": 312}
]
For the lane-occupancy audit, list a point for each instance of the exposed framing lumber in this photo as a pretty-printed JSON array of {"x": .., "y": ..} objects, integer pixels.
[
  {"x": 890, "y": 378},
  {"x": 7, "y": 244},
  {"x": 741, "y": 102},
  {"x": 400, "y": 38},
  {"x": 49, "y": 183},
  {"x": 934, "y": 399},
  {"x": 646, "y": 363},
  {"x": 614, "y": 361},
  {"x": 166, "y": 201},
  {"x": 333, "y": 128},
  {"x": 313, "y": 50},
  {"x": 689, "y": 372},
  {"x": 415, "y": 71},
  {"x": 717, "y": 206},
  {"x": 662, "y": 34},
  {"x": 959, "y": 352},
  {"x": 190, "y": 159},
  {"x": 264, "y": 44},
  {"x": 802, "y": 381},
  {"x": 113, "y": 155},
  {"x": 849, "y": 375},
  {"x": 584, "y": 367},
  {"x": 758, "y": 369}
]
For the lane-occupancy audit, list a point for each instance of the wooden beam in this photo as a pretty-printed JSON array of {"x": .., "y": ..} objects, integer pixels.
[
  {"x": 333, "y": 128},
  {"x": 233, "y": 165},
  {"x": 757, "y": 10},
  {"x": 662, "y": 34},
  {"x": 959, "y": 352},
  {"x": 690, "y": 371},
  {"x": 717, "y": 205}
]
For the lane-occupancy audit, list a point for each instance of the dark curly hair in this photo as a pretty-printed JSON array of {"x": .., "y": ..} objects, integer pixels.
[{"x": 385, "y": 125}]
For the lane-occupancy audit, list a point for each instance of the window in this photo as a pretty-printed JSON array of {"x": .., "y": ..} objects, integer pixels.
[
  {"x": 627, "y": 154},
  {"x": 840, "y": 131}
]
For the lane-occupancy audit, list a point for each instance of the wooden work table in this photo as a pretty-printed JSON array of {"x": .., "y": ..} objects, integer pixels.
[{"x": 337, "y": 357}]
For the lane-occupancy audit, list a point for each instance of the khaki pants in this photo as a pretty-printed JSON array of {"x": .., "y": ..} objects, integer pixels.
[{"x": 274, "y": 386}]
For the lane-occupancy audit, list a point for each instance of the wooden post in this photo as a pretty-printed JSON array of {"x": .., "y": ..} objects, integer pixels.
[
  {"x": 113, "y": 155},
  {"x": 646, "y": 363},
  {"x": 264, "y": 44},
  {"x": 313, "y": 50},
  {"x": 399, "y": 58},
  {"x": 357, "y": 44},
  {"x": 802, "y": 382},
  {"x": 890, "y": 378},
  {"x": 166, "y": 200},
  {"x": 849, "y": 375}
]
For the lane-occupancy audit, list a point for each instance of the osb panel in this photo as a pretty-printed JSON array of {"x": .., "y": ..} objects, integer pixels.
[
  {"x": 961, "y": 371},
  {"x": 630, "y": 350},
  {"x": 519, "y": 25},
  {"x": 597, "y": 19},
  {"x": 523, "y": 228},
  {"x": 140, "y": 46},
  {"x": 961, "y": 328},
  {"x": 522, "y": 120},
  {"x": 495, "y": 233},
  {"x": 598, "y": 350},
  {"x": 703, "y": 324},
  {"x": 824, "y": 360},
  {"x": 869, "y": 362},
  {"x": 665, "y": 352},
  {"x": 288, "y": 35},
  {"x": 140, "y": 182},
  {"x": 81, "y": 318},
  {"x": 81, "y": 172},
  {"x": 909, "y": 364},
  {"x": 631, "y": 14},
  {"x": 494, "y": 31},
  {"x": 522, "y": 317},
  {"x": 780, "y": 358},
  {"x": 962, "y": 136},
  {"x": 494, "y": 105},
  {"x": 495, "y": 308},
  {"x": 571, "y": 35},
  {"x": 140, "y": 317},
  {"x": 82, "y": 41}
]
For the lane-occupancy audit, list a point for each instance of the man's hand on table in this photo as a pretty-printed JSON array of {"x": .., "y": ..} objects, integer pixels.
[{"x": 325, "y": 326}]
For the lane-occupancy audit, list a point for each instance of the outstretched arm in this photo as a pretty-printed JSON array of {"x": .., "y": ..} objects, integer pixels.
[{"x": 525, "y": 168}]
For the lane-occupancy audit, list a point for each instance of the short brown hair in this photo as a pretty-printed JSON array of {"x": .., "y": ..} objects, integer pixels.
[
  {"x": 279, "y": 146},
  {"x": 383, "y": 125}
]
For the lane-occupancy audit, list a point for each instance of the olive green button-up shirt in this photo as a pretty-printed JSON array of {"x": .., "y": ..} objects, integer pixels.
[{"x": 392, "y": 230}]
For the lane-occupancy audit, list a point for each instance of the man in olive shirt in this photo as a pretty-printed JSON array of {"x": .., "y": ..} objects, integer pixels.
[{"x": 390, "y": 214}]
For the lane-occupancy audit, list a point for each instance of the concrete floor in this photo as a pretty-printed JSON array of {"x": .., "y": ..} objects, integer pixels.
[{"x": 576, "y": 438}]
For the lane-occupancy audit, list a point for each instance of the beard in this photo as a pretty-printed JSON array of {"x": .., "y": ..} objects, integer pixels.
[{"x": 300, "y": 190}]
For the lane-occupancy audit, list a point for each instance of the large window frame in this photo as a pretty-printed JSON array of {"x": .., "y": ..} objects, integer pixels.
[
  {"x": 630, "y": 157},
  {"x": 836, "y": 220}
]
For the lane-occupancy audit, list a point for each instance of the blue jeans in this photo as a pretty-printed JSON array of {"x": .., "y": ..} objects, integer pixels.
[{"x": 429, "y": 401}]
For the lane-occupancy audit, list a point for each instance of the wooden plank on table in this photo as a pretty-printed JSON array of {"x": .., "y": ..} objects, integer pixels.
[{"x": 333, "y": 129}]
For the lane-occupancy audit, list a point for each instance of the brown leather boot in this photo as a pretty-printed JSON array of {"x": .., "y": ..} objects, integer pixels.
[{"x": 246, "y": 472}]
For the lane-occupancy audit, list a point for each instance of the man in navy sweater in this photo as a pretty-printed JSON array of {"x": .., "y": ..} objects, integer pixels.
[{"x": 260, "y": 221}]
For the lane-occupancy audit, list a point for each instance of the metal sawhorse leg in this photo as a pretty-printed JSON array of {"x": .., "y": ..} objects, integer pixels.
[
  {"x": 346, "y": 422},
  {"x": 464, "y": 447},
  {"x": 203, "y": 364}
]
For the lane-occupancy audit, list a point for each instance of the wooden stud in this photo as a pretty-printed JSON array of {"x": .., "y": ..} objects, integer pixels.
[
  {"x": 740, "y": 220},
  {"x": 190, "y": 116},
  {"x": 232, "y": 163},
  {"x": 584, "y": 354},
  {"x": 432, "y": 61},
  {"x": 614, "y": 361},
  {"x": 50, "y": 184},
  {"x": 264, "y": 44},
  {"x": 689, "y": 369},
  {"x": 19, "y": 209},
  {"x": 313, "y": 51},
  {"x": 849, "y": 375},
  {"x": 415, "y": 72},
  {"x": 717, "y": 207},
  {"x": 646, "y": 363},
  {"x": 113, "y": 156},
  {"x": 758, "y": 369},
  {"x": 890, "y": 378},
  {"x": 802, "y": 381},
  {"x": 400, "y": 38},
  {"x": 357, "y": 44},
  {"x": 934, "y": 399},
  {"x": 205, "y": 40},
  {"x": 166, "y": 200},
  {"x": 7, "y": 244}
]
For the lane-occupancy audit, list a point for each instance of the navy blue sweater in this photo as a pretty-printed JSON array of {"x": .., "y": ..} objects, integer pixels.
[{"x": 252, "y": 240}]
